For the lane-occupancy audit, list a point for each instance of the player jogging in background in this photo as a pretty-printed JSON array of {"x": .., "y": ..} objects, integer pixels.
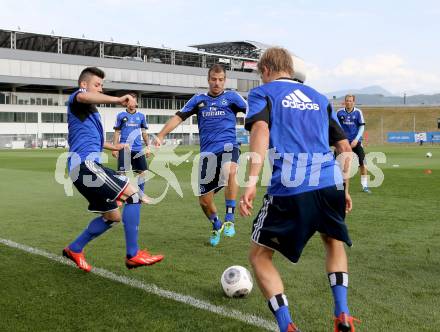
[
  {"x": 219, "y": 152},
  {"x": 353, "y": 124},
  {"x": 305, "y": 194},
  {"x": 101, "y": 186}
]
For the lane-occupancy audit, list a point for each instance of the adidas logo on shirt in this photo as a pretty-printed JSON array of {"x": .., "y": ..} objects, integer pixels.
[{"x": 297, "y": 99}]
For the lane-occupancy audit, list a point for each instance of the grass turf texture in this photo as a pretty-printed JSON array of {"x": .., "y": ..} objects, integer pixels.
[{"x": 394, "y": 264}]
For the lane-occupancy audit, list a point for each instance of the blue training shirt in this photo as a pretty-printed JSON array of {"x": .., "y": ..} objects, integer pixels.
[
  {"x": 350, "y": 122},
  {"x": 86, "y": 134},
  {"x": 298, "y": 117},
  {"x": 130, "y": 125},
  {"x": 216, "y": 118}
]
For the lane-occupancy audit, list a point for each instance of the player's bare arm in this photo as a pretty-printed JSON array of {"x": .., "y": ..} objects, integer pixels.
[
  {"x": 259, "y": 143},
  {"x": 116, "y": 138},
  {"x": 167, "y": 128},
  {"x": 343, "y": 150},
  {"x": 100, "y": 98},
  {"x": 114, "y": 147},
  {"x": 147, "y": 144}
]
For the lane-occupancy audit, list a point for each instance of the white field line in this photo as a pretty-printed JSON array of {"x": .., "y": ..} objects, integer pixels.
[{"x": 153, "y": 289}]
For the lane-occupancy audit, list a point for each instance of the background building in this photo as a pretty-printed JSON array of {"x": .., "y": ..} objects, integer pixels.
[{"x": 38, "y": 72}]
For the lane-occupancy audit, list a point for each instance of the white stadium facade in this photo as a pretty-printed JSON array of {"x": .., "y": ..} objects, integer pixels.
[{"x": 38, "y": 72}]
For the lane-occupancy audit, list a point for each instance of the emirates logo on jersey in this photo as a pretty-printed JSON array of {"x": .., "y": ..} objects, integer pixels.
[{"x": 213, "y": 112}]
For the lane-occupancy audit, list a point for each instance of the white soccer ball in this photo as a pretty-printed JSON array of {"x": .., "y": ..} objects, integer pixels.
[
  {"x": 428, "y": 154},
  {"x": 236, "y": 281}
]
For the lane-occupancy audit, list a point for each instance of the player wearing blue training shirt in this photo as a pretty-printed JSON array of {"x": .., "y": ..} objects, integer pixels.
[
  {"x": 219, "y": 152},
  {"x": 303, "y": 197},
  {"x": 101, "y": 186},
  {"x": 353, "y": 124},
  {"x": 129, "y": 127}
]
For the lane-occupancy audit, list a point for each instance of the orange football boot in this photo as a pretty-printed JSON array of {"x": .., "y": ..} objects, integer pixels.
[
  {"x": 345, "y": 323},
  {"x": 143, "y": 257},
  {"x": 292, "y": 328},
  {"x": 77, "y": 258}
]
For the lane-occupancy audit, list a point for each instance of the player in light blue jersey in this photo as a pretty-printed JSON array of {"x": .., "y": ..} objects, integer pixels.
[
  {"x": 100, "y": 185},
  {"x": 219, "y": 151},
  {"x": 353, "y": 123},
  {"x": 305, "y": 193}
]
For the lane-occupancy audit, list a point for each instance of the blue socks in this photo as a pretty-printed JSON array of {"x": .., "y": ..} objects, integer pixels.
[
  {"x": 131, "y": 218},
  {"x": 230, "y": 210},
  {"x": 339, "y": 284},
  {"x": 280, "y": 308},
  {"x": 216, "y": 222},
  {"x": 96, "y": 227}
]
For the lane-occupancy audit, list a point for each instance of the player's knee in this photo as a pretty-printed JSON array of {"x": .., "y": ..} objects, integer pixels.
[
  {"x": 259, "y": 255},
  {"x": 133, "y": 199},
  {"x": 256, "y": 259},
  {"x": 331, "y": 243},
  {"x": 112, "y": 217},
  {"x": 114, "y": 220},
  {"x": 204, "y": 201},
  {"x": 253, "y": 259}
]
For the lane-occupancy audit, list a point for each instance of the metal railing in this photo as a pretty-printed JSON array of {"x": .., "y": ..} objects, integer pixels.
[
  {"x": 28, "y": 98},
  {"x": 52, "y": 99}
]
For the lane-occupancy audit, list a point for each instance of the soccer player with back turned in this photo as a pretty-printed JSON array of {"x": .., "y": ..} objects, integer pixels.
[{"x": 305, "y": 193}]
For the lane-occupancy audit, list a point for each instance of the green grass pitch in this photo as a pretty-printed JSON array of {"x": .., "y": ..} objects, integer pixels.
[{"x": 394, "y": 263}]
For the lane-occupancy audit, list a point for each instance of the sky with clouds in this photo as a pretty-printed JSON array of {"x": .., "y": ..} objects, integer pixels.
[{"x": 345, "y": 44}]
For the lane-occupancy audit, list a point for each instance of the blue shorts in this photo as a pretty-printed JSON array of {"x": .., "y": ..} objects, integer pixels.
[
  {"x": 210, "y": 165},
  {"x": 100, "y": 185},
  {"x": 137, "y": 164},
  {"x": 286, "y": 223}
]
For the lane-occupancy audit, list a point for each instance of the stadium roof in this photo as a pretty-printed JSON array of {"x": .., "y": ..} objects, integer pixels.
[
  {"x": 242, "y": 48},
  {"x": 90, "y": 47},
  {"x": 249, "y": 49},
  {"x": 29, "y": 41},
  {"x": 235, "y": 55}
]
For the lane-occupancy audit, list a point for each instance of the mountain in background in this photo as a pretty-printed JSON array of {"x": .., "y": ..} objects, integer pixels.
[
  {"x": 369, "y": 90},
  {"x": 428, "y": 100},
  {"x": 376, "y": 95}
]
